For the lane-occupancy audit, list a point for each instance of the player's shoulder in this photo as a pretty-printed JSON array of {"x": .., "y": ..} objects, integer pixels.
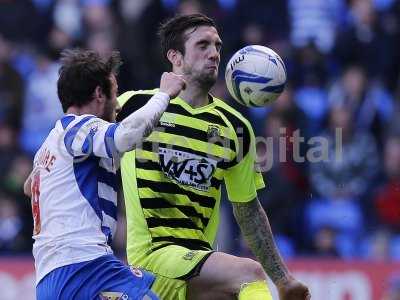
[
  {"x": 136, "y": 96},
  {"x": 232, "y": 115},
  {"x": 70, "y": 120},
  {"x": 239, "y": 123},
  {"x": 131, "y": 101}
]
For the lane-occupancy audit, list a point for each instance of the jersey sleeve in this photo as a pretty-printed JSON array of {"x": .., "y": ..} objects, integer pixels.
[
  {"x": 242, "y": 180},
  {"x": 91, "y": 136}
]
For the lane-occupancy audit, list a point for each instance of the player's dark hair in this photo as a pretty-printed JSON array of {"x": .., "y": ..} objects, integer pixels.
[
  {"x": 81, "y": 72},
  {"x": 171, "y": 32}
]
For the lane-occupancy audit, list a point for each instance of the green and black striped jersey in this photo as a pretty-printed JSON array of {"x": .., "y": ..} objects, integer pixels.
[{"x": 172, "y": 182}]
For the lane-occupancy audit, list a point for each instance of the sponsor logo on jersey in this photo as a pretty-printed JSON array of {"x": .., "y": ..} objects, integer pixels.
[
  {"x": 167, "y": 120},
  {"x": 187, "y": 168},
  {"x": 113, "y": 296},
  {"x": 167, "y": 124}
]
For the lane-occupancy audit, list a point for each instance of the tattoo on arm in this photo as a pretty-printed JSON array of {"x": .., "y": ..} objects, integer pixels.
[
  {"x": 153, "y": 123},
  {"x": 257, "y": 232}
]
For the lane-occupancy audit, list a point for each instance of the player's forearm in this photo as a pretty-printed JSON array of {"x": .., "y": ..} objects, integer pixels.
[
  {"x": 138, "y": 125},
  {"x": 257, "y": 232}
]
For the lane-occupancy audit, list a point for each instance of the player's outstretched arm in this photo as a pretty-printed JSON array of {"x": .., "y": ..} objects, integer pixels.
[
  {"x": 257, "y": 232},
  {"x": 138, "y": 125}
]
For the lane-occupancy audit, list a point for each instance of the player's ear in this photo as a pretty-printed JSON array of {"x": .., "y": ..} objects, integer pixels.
[
  {"x": 118, "y": 108},
  {"x": 98, "y": 94},
  {"x": 175, "y": 57}
]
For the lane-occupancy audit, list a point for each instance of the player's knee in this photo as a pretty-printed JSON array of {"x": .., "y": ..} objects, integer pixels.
[
  {"x": 252, "y": 271},
  {"x": 247, "y": 270}
]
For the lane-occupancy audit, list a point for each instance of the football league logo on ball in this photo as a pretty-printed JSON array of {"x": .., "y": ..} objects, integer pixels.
[{"x": 113, "y": 296}]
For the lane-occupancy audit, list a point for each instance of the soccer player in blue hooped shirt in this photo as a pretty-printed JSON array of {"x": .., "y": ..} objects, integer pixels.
[{"x": 73, "y": 183}]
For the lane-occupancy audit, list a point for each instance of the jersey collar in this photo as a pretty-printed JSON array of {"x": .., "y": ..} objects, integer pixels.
[{"x": 195, "y": 110}]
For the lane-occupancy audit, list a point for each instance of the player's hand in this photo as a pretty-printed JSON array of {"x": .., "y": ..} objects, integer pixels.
[
  {"x": 172, "y": 84},
  {"x": 292, "y": 289}
]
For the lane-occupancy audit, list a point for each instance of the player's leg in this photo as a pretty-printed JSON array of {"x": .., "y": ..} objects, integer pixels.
[
  {"x": 102, "y": 278},
  {"x": 126, "y": 284},
  {"x": 225, "y": 276},
  {"x": 173, "y": 265},
  {"x": 111, "y": 279},
  {"x": 48, "y": 288},
  {"x": 63, "y": 283}
]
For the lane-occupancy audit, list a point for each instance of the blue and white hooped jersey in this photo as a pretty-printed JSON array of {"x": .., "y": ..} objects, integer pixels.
[{"x": 74, "y": 193}]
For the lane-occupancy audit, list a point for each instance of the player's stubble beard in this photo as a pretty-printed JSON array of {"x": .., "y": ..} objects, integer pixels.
[{"x": 202, "y": 78}]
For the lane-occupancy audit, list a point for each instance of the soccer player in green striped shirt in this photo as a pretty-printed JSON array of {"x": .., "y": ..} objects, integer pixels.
[{"x": 172, "y": 184}]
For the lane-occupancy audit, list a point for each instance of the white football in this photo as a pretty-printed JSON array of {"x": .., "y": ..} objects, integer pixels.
[{"x": 255, "y": 75}]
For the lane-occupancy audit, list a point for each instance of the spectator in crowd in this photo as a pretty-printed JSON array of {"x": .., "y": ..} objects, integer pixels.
[
  {"x": 376, "y": 246},
  {"x": 339, "y": 220},
  {"x": 362, "y": 41},
  {"x": 324, "y": 242},
  {"x": 15, "y": 13},
  {"x": 276, "y": 159},
  {"x": 292, "y": 115},
  {"x": 309, "y": 76},
  {"x": 315, "y": 21},
  {"x": 16, "y": 208},
  {"x": 17, "y": 173},
  {"x": 349, "y": 164},
  {"x": 8, "y": 148},
  {"x": 40, "y": 103},
  {"x": 387, "y": 200},
  {"x": 12, "y": 237},
  {"x": 370, "y": 103},
  {"x": 11, "y": 88},
  {"x": 341, "y": 177}
]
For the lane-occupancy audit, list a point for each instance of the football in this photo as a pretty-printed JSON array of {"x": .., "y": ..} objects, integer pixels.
[{"x": 255, "y": 75}]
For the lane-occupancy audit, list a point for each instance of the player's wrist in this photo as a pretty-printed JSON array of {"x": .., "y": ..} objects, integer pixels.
[
  {"x": 162, "y": 96},
  {"x": 284, "y": 281}
]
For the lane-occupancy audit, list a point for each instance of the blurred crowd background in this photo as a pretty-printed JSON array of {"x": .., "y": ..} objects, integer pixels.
[{"x": 343, "y": 63}]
